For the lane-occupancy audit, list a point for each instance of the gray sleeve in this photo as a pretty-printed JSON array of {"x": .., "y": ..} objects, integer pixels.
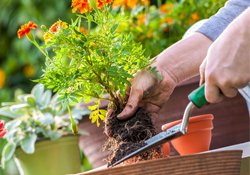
[{"x": 218, "y": 22}]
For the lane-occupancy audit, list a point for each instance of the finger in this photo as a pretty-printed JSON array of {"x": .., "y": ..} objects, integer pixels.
[
  {"x": 202, "y": 71},
  {"x": 153, "y": 111},
  {"x": 132, "y": 104},
  {"x": 229, "y": 91},
  {"x": 107, "y": 129},
  {"x": 213, "y": 93}
]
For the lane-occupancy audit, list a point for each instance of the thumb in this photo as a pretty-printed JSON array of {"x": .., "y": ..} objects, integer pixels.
[
  {"x": 202, "y": 71},
  {"x": 132, "y": 104}
]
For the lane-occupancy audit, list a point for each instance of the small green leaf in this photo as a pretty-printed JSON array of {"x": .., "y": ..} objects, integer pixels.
[
  {"x": 113, "y": 74},
  {"x": 9, "y": 150},
  {"x": 127, "y": 75},
  {"x": 113, "y": 29},
  {"x": 158, "y": 76}
]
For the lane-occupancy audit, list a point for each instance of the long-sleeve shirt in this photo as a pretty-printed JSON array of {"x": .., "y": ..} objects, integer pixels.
[{"x": 218, "y": 22}]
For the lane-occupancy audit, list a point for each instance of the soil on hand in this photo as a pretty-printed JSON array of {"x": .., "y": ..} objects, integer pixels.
[{"x": 129, "y": 135}]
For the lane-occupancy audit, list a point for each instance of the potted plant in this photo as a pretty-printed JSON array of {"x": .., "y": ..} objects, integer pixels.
[
  {"x": 86, "y": 66},
  {"x": 39, "y": 134}
]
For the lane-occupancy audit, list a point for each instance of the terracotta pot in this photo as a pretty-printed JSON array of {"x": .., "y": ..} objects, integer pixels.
[
  {"x": 166, "y": 149},
  {"x": 198, "y": 136}
]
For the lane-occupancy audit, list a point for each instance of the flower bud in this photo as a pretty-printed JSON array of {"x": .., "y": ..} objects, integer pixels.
[
  {"x": 74, "y": 127},
  {"x": 43, "y": 27}
]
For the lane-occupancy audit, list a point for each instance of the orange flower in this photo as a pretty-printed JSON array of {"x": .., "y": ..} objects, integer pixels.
[
  {"x": 29, "y": 71},
  {"x": 53, "y": 30},
  {"x": 195, "y": 16},
  {"x": 82, "y": 6},
  {"x": 167, "y": 20},
  {"x": 145, "y": 2},
  {"x": 82, "y": 29},
  {"x": 2, "y": 78},
  {"x": 165, "y": 8},
  {"x": 25, "y": 29},
  {"x": 183, "y": 15},
  {"x": 100, "y": 3},
  {"x": 141, "y": 18},
  {"x": 129, "y": 3}
]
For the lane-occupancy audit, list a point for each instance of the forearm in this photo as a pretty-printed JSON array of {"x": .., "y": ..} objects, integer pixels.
[{"x": 182, "y": 60}]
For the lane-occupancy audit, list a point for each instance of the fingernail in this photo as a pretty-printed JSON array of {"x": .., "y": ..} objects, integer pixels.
[{"x": 162, "y": 127}]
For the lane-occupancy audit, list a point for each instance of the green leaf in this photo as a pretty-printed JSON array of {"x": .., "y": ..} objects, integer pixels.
[
  {"x": 28, "y": 143},
  {"x": 112, "y": 69},
  {"x": 113, "y": 74},
  {"x": 9, "y": 150},
  {"x": 73, "y": 99},
  {"x": 46, "y": 97},
  {"x": 15, "y": 108},
  {"x": 37, "y": 91},
  {"x": 126, "y": 52},
  {"x": 113, "y": 29},
  {"x": 126, "y": 81},
  {"x": 30, "y": 100},
  {"x": 5, "y": 111},
  {"x": 158, "y": 76},
  {"x": 127, "y": 75},
  {"x": 13, "y": 124}
]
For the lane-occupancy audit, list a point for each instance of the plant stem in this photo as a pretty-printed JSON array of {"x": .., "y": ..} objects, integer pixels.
[{"x": 159, "y": 3}]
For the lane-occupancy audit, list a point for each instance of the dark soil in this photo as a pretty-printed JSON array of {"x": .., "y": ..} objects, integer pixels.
[{"x": 129, "y": 135}]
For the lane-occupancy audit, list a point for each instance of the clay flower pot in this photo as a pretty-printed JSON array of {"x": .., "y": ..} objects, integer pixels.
[
  {"x": 198, "y": 137},
  {"x": 166, "y": 149}
]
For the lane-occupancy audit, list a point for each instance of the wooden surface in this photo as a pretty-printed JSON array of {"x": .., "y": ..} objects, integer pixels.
[{"x": 221, "y": 162}]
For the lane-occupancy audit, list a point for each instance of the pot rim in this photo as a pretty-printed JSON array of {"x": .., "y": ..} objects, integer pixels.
[{"x": 191, "y": 120}]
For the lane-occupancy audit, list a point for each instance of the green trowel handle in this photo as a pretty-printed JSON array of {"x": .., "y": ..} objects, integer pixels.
[{"x": 197, "y": 97}]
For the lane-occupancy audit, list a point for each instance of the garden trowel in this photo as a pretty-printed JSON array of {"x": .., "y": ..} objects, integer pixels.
[{"x": 197, "y": 98}]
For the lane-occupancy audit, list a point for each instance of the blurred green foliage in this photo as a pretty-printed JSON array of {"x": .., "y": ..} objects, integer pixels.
[{"x": 19, "y": 59}]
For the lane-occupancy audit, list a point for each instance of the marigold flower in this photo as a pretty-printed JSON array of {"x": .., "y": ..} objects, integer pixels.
[
  {"x": 167, "y": 20},
  {"x": 85, "y": 31},
  {"x": 145, "y": 2},
  {"x": 81, "y": 5},
  {"x": 25, "y": 29},
  {"x": 165, "y": 8},
  {"x": 141, "y": 19},
  {"x": 2, "y": 78},
  {"x": 53, "y": 30},
  {"x": 195, "y": 16},
  {"x": 129, "y": 3},
  {"x": 29, "y": 71}
]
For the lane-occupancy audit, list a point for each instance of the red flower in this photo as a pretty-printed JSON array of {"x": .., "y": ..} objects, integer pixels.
[
  {"x": 25, "y": 29},
  {"x": 2, "y": 131}
]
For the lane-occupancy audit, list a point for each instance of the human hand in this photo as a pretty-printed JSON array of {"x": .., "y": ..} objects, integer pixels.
[
  {"x": 147, "y": 92},
  {"x": 226, "y": 67}
]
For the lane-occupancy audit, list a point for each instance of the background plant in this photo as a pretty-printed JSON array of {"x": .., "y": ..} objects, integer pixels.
[{"x": 35, "y": 116}]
